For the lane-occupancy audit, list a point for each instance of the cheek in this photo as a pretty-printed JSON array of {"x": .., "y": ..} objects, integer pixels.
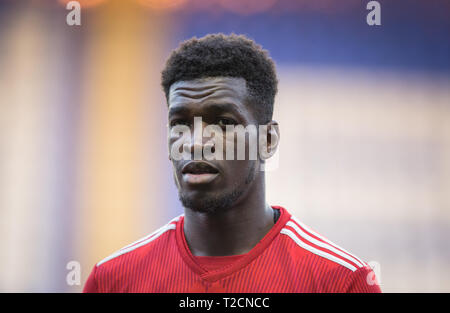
[
  {"x": 175, "y": 148},
  {"x": 175, "y": 178},
  {"x": 238, "y": 170},
  {"x": 240, "y": 149}
]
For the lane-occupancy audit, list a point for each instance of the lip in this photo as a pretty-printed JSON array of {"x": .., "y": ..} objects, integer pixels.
[
  {"x": 191, "y": 177},
  {"x": 195, "y": 165},
  {"x": 195, "y": 179}
]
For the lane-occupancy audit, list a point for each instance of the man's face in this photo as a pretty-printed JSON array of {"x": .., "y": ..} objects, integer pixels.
[{"x": 214, "y": 185}]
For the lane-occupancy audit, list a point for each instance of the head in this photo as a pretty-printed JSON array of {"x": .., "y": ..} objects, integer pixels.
[{"x": 225, "y": 80}]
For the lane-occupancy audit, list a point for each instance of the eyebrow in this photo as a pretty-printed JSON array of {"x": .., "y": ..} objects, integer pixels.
[
  {"x": 177, "y": 110},
  {"x": 218, "y": 107}
]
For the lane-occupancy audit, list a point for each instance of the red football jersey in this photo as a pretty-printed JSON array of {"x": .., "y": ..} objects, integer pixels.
[{"x": 290, "y": 258}]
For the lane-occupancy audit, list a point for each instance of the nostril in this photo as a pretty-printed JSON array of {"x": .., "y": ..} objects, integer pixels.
[
  {"x": 189, "y": 148},
  {"x": 209, "y": 146}
]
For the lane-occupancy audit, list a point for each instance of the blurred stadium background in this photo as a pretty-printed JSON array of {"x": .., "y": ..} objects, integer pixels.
[{"x": 364, "y": 114}]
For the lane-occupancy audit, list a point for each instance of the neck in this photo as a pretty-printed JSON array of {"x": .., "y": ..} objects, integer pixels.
[{"x": 232, "y": 232}]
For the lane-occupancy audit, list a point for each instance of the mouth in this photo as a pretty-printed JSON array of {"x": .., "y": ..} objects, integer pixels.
[{"x": 199, "y": 172}]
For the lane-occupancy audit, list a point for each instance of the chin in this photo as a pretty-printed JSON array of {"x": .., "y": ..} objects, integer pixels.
[{"x": 203, "y": 203}]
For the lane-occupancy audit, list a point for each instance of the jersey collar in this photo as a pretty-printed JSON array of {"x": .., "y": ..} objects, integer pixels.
[{"x": 257, "y": 250}]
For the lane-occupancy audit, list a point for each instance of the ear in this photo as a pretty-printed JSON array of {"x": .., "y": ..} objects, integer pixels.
[{"x": 269, "y": 140}]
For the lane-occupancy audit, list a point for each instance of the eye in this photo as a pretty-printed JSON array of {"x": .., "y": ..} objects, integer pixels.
[
  {"x": 179, "y": 122},
  {"x": 223, "y": 122}
]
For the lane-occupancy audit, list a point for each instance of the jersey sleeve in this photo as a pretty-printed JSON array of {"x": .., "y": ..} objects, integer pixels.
[
  {"x": 91, "y": 284},
  {"x": 363, "y": 280}
]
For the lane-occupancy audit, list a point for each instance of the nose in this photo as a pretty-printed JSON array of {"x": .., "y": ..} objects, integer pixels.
[{"x": 198, "y": 143}]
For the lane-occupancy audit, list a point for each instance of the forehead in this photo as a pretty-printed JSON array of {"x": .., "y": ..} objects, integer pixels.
[{"x": 202, "y": 91}]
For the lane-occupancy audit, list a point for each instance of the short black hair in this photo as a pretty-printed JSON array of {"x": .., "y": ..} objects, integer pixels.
[{"x": 219, "y": 55}]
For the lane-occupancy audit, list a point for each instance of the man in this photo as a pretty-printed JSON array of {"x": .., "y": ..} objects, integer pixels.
[{"x": 228, "y": 239}]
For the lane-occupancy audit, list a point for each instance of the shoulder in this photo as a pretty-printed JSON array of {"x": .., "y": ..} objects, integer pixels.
[
  {"x": 115, "y": 272},
  {"x": 326, "y": 259},
  {"x": 133, "y": 249},
  {"x": 308, "y": 241}
]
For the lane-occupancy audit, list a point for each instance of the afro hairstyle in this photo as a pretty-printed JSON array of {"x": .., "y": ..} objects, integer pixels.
[{"x": 219, "y": 55}]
